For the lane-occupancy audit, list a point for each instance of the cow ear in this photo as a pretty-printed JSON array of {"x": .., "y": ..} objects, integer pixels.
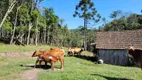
[
  {"x": 35, "y": 50},
  {"x": 33, "y": 53}
]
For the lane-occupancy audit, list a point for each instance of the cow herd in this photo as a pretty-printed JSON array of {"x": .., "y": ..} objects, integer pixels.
[
  {"x": 57, "y": 54},
  {"x": 53, "y": 55}
]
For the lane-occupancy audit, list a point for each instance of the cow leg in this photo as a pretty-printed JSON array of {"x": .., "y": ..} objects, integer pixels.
[
  {"x": 62, "y": 63},
  {"x": 52, "y": 66},
  {"x": 45, "y": 63},
  {"x": 68, "y": 54},
  {"x": 79, "y": 54},
  {"x": 40, "y": 63},
  {"x": 73, "y": 53},
  {"x": 36, "y": 63}
]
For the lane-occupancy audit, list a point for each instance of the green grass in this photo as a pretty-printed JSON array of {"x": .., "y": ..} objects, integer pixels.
[
  {"x": 10, "y": 68},
  {"x": 75, "y": 68},
  {"x": 13, "y": 48},
  {"x": 79, "y": 69}
]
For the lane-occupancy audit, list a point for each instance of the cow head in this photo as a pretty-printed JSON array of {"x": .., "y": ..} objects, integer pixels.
[
  {"x": 132, "y": 48},
  {"x": 36, "y": 53},
  {"x": 82, "y": 49}
]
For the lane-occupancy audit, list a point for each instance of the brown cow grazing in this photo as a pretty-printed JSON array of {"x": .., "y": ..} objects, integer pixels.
[
  {"x": 39, "y": 60},
  {"x": 56, "y": 54},
  {"x": 73, "y": 51},
  {"x": 137, "y": 55},
  {"x": 50, "y": 59}
]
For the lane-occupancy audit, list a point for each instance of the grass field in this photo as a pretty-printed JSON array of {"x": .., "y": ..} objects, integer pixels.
[
  {"x": 13, "y": 48},
  {"x": 75, "y": 68},
  {"x": 10, "y": 68},
  {"x": 80, "y": 69}
]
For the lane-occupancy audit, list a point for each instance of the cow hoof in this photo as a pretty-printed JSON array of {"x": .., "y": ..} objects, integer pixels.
[
  {"x": 61, "y": 68},
  {"x": 53, "y": 69}
]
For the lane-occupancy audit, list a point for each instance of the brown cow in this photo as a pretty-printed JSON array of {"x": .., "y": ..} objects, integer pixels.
[
  {"x": 60, "y": 49},
  {"x": 56, "y": 54},
  {"x": 50, "y": 59},
  {"x": 73, "y": 51},
  {"x": 39, "y": 60},
  {"x": 137, "y": 55}
]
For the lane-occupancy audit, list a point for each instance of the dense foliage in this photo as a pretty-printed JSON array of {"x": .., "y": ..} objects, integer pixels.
[
  {"x": 123, "y": 21},
  {"x": 24, "y": 21},
  {"x": 29, "y": 24}
]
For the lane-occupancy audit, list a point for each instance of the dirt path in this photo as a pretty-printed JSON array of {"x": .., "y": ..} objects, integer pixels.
[
  {"x": 30, "y": 74},
  {"x": 33, "y": 73}
]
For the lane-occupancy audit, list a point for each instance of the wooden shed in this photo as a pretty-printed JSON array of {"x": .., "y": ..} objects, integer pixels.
[{"x": 113, "y": 47}]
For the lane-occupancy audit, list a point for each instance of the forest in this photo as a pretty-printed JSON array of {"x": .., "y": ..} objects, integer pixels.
[{"x": 24, "y": 21}]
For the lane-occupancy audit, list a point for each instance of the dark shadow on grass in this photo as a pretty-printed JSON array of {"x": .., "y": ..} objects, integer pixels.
[
  {"x": 40, "y": 67},
  {"x": 110, "y": 78},
  {"x": 89, "y": 58}
]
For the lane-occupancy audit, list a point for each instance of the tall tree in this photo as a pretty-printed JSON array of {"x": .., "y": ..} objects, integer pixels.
[
  {"x": 15, "y": 22},
  {"x": 26, "y": 24},
  {"x": 11, "y": 6},
  {"x": 116, "y": 14},
  {"x": 104, "y": 21},
  {"x": 4, "y": 6},
  {"x": 51, "y": 21},
  {"x": 86, "y": 10},
  {"x": 61, "y": 21}
]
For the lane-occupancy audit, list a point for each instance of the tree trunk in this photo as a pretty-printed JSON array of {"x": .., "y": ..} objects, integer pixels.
[
  {"x": 29, "y": 31},
  {"x": 30, "y": 24},
  {"x": 44, "y": 38},
  {"x": 48, "y": 30},
  {"x": 0, "y": 32},
  {"x": 36, "y": 31},
  {"x": 85, "y": 32},
  {"x": 13, "y": 33},
  {"x": 8, "y": 11},
  {"x": 21, "y": 37}
]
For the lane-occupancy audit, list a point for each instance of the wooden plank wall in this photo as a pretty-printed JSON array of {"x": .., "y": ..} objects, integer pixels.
[{"x": 115, "y": 57}]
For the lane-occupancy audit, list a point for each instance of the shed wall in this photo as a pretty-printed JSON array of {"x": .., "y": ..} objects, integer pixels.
[{"x": 115, "y": 57}]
